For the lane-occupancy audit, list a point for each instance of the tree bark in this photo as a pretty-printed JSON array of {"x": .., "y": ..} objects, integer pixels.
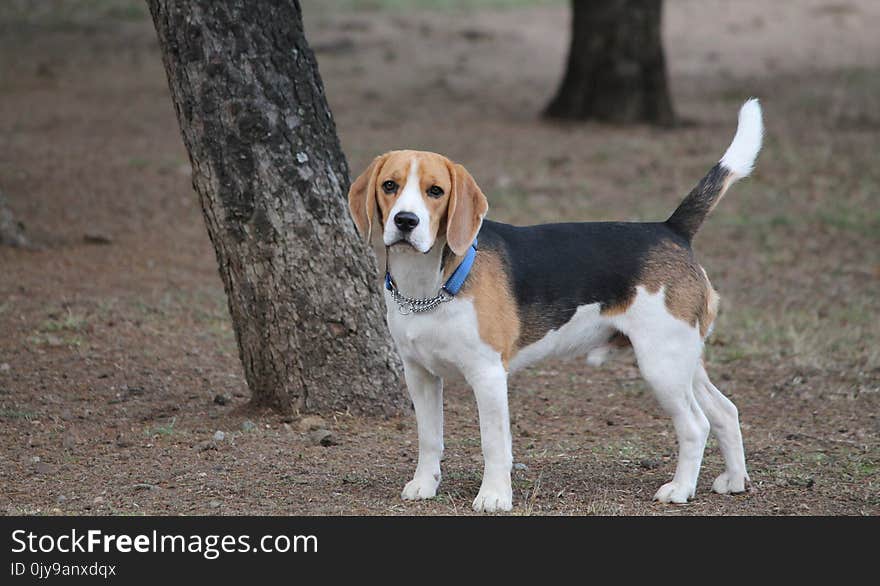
[
  {"x": 616, "y": 69},
  {"x": 272, "y": 180}
]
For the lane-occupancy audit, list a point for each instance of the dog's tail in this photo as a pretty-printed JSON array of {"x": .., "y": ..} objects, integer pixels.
[{"x": 736, "y": 163}]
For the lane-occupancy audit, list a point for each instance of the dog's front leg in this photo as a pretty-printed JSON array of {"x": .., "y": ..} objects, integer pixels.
[
  {"x": 426, "y": 392},
  {"x": 490, "y": 389}
]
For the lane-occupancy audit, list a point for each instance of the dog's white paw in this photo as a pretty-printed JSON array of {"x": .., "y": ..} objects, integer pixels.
[
  {"x": 674, "y": 492},
  {"x": 490, "y": 500},
  {"x": 421, "y": 487},
  {"x": 731, "y": 483},
  {"x": 598, "y": 356}
]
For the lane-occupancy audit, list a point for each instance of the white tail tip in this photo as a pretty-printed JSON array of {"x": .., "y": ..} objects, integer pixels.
[{"x": 740, "y": 156}]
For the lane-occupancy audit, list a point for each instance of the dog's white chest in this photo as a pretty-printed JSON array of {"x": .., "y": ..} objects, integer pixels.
[{"x": 445, "y": 340}]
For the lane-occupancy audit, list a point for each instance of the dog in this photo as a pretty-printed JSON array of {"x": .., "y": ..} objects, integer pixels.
[{"x": 473, "y": 298}]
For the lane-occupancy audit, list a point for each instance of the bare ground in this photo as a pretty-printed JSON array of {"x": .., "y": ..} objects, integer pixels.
[{"x": 115, "y": 337}]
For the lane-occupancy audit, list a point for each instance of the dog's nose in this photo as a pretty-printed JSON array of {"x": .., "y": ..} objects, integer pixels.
[{"x": 406, "y": 221}]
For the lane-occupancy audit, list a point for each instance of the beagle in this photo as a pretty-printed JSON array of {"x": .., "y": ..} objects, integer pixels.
[{"x": 480, "y": 299}]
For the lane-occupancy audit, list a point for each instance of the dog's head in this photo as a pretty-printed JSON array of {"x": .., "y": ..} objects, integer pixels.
[{"x": 417, "y": 198}]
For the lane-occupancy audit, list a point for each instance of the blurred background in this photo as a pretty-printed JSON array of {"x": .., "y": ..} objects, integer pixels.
[{"x": 115, "y": 342}]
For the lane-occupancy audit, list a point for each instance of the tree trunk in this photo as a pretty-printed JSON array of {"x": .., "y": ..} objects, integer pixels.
[
  {"x": 616, "y": 69},
  {"x": 272, "y": 179}
]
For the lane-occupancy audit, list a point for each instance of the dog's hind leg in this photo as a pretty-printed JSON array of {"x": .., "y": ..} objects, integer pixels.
[
  {"x": 426, "y": 392},
  {"x": 668, "y": 353},
  {"x": 724, "y": 420}
]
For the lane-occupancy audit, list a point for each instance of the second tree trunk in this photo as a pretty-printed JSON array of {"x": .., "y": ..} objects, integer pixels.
[{"x": 616, "y": 69}]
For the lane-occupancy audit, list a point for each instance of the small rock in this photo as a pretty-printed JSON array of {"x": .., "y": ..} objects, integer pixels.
[
  {"x": 5, "y": 367},
  {"x": 519, "y": 466},
  {"x": 221, "y": 399},
  {"x": 122, "y": 442},
  {"x": 219, "y": 436},
  {"x": 61, "y": 499},
  {"x": 98, "y": 500},
  {"x": 144, "y": 486},
  {"x": 206, "y": 446},
  {"x": 649, "y": 463},
  {"x": 322, "y": 437},
  {"x": 214, "y": 504},
  {"x": 311, "y": 423},
  {"x": 96, "y": 238},
  {"x": 35, "y": 459},
  {"x": 248, "y": 425}
]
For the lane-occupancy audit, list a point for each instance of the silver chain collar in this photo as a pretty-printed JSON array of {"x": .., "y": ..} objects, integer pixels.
[{"x": 407, "y": 305}]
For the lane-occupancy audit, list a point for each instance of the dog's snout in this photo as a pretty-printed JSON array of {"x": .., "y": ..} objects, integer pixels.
[{"x": 406, "y": 221}]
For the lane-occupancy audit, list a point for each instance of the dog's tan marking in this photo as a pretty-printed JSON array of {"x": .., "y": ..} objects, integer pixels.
[
  {"x": 497, "y": 318},
  {"x": 713, "y": 300},
  {"x": 620, "y": 307},
  {"x": 672, "y": 267},
  {"x": 688, "y": 294},
  {"x": 619, "y": 340}
]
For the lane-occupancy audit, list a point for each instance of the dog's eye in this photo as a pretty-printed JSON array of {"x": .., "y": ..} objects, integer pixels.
[
  {"x": 389, "y": 187},
  {"x": 435, "y": 191}
]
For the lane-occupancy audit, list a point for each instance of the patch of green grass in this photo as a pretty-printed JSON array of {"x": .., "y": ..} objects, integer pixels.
[
  {"x": 471, "y": 476},
  {"x": 167, "y": 429},
  {"x": 866, "y": 468},
  {"x": 865, "y": 222},
  {"x": 15, "y": 414},
  {"x": 465, "y": 442},
  {"x": 70, "y": 322},
  {"x": 138, "y": 163},
  {"x": 630, "y": 450},
  {"x": 60, "y": 329},
  {"x": 50, "y": 339}
]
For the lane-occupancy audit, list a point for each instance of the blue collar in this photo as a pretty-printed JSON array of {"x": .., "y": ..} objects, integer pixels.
[{"x": 456, "y": 280}]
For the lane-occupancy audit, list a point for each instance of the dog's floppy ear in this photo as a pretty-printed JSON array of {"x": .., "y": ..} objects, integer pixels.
[
  {"x": 467, "y": 206},
  {"x": 362, "y": 198}
]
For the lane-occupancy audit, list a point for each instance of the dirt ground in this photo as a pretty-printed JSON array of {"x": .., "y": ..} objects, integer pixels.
[{"x": 116, "y": 340}]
